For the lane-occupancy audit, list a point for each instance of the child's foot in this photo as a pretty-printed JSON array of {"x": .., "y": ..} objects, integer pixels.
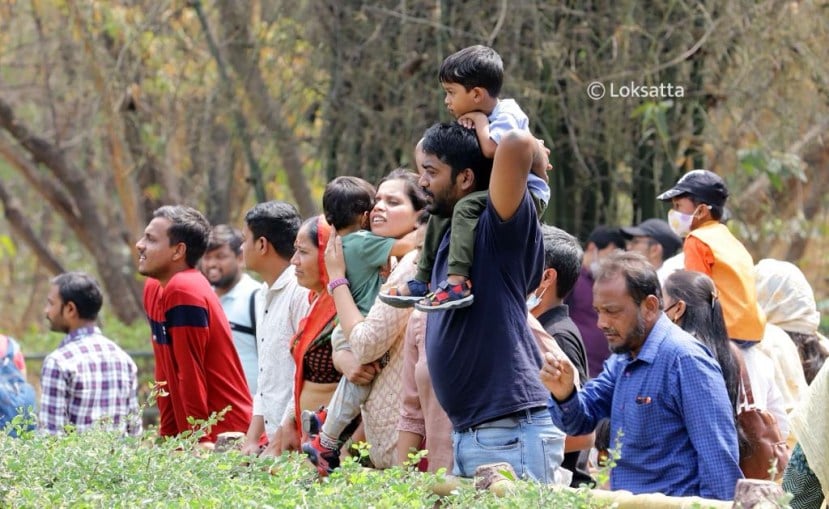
[
  {"x": 312, "y": 421},
  {"x": 325, "y": 459},
  {"x": 448, "y": 296},
  {"x": 405, "y": 296}
]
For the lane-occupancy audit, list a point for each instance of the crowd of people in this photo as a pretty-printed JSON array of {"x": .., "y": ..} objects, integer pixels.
[{"x": 365, "y": 325}]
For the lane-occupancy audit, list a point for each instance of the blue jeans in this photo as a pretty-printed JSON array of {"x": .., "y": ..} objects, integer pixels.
[{"x": 527, "y": 440}]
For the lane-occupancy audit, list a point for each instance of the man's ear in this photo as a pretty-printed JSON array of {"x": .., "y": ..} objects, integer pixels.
[
  {"x": 549, "y": 278},
  {"x": 656, "y": 249},
  {"x": 262, "y": 245},
  {"x": 71, "y": 308},
  {"x": 652, "y": 308},
  {"x": 466, "y": 179},
  {"x": 180, "y": 251}
]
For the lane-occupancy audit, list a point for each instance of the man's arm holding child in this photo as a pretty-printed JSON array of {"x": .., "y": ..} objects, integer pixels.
[{"x": 516, "y": 154}]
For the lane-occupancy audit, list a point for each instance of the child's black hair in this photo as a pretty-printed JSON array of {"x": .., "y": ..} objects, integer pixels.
[
  {"x": 345, "y": 200},
  {"x": 475, "y": 66}
]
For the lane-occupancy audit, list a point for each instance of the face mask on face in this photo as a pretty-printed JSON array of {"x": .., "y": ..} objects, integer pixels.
[
  {"x": 680, "y": 223},
  {"x": 534, "y": 300}
]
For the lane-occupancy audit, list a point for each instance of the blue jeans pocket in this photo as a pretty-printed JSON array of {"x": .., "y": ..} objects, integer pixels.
[{"x": 497, "y": 439}]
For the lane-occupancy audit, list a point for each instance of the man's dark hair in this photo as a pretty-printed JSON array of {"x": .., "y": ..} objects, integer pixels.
[
  {"x": 563, "y": 253},
  {"x": 475, "y": 66},
  {"x": 83, "y": 290},
  {"x": 703, "y": 319},
  {"x": 189, "y": 226},
  {"x": 278, "y": 222},
  {"x": 458, "y": 147},
  {"x": 225, "y": 235},
  {"x": 640, "y": 276},
  {"x": 345, "y": 200},
  {"x": 603, "y": 236}
]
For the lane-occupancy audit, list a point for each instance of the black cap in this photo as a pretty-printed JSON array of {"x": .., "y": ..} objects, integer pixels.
[
  {"x": 660, "y": 231},
  {"x": 603, "y": 236},
  {"x": 704, "y": 185}
]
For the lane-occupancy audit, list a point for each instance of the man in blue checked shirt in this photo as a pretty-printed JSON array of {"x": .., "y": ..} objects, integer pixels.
[
  {"x": 663, "y": 391},
  {"x": 89, "y": 380}
]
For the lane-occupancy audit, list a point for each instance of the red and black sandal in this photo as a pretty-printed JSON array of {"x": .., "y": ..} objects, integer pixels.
[
  {"x": 417, "y": 291},
  {"x": 447, "y": 296}
]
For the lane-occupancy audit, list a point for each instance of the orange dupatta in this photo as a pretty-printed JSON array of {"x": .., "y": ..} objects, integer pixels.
[{"x": 321, "y": 313}]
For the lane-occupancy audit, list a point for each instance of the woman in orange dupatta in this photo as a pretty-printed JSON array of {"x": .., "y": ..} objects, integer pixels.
[{"x": 315, "y": 378}]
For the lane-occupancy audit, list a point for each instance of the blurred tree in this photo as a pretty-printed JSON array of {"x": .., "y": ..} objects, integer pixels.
[{"x": 110, "y": 109}]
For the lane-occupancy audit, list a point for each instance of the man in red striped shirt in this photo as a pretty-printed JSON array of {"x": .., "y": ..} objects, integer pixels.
[{"x": 192, "y": 342}]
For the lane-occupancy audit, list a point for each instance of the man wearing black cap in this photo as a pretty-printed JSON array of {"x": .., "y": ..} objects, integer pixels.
[
  {"x": 654, "y": 239},
  {"x": 698, "y": 200}
]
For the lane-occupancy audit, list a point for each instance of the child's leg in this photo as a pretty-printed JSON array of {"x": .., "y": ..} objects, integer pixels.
[
  {"x": 462, "y": 236},
  {"x": 344, "y": 406},
  {"x": 408, "y": 294},
  {"x": 343, "y": 409},
  {"x": 456, "y": 290},
  {"x": 435, "y": 229}
]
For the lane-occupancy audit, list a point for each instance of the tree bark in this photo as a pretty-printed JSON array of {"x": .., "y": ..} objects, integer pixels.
[
  {"x": 236, "y": 32},
  {"x": 112, "y": 258}
]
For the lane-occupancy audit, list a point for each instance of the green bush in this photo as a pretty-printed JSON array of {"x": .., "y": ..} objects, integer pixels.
[{"x": 101, "y": 469}]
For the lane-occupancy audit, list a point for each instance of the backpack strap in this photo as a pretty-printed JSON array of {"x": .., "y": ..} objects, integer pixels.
[
  {"x": 252, "y": 311},
  {"x": 248, "y": 329}
]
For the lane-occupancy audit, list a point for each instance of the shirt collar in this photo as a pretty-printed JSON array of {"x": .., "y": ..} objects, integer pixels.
[
  {"x": 554, "y": 313},
  {"x": 80, "y": 333},
  {"x": 282, "y": 281},
  {"x": 655, "y": 339}
]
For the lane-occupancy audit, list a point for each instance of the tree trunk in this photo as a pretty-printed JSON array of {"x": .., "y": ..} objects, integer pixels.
[
  {"x": 239, "y": 48},
  {"x": 113, "y": 259}
]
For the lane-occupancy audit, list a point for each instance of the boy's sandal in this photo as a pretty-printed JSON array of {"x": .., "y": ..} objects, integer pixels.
[
  {"x": 393, "y": 297},
  {"x": 447, "y": 297}
]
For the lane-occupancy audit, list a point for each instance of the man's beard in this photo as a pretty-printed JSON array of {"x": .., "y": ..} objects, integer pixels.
[
  {"x": 633, "y": 337},
  {"x": 440, "y": 206},
  {"x": 226, "y": 282}
]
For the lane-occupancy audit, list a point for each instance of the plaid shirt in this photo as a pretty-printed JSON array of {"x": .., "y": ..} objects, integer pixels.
[{"x": 87, "y": 379}]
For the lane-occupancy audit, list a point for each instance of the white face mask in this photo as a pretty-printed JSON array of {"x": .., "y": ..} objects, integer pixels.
[
  {"x": 534, "y": 300},
  {"x": 680, "y": 223}
]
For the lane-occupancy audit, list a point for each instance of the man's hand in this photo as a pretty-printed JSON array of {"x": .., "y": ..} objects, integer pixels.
[
  {"x": 289, "y": 437},
  {"x": 274, "y": 447},
  {"x": 251, "y": 448},
  {"x": 558, "y": 375},
  {"x": 473, "y": 119}
]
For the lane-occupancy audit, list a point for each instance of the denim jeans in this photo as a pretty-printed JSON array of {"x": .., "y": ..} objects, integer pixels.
[{"x": 527, "y": 440}]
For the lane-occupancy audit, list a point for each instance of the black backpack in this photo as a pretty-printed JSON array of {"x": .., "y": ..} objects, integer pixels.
[{"x": 17, "y": 396}]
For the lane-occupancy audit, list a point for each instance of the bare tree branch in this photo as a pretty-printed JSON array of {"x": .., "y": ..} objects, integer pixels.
[{"x": 17, "y": 220}]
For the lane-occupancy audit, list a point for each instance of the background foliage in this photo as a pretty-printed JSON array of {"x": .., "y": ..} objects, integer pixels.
[{"x": 109, "y": 109}]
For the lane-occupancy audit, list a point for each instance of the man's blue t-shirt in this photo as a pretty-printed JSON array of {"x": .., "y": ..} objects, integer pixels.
[{"x": 483, "y": 359}]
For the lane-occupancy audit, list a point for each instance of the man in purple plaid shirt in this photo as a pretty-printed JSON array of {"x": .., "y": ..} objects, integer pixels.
[{"x": 88, "y": 379}]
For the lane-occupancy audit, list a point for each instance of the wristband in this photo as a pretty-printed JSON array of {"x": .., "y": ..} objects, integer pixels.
[{"x": 337, "y": 282}]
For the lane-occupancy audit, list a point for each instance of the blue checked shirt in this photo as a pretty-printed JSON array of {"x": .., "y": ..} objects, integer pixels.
[
  {"x": 87, "y": 379},
  {"x": 670, "y": 404}
]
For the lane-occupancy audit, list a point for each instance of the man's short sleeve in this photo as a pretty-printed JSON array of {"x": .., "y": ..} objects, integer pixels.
[{"x": 502, "y": 124}]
